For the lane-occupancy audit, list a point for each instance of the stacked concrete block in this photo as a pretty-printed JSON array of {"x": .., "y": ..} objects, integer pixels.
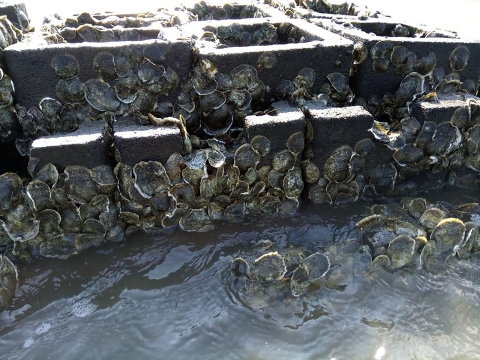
[
  {"x": 16, "y": 12},
  {"x": 88, "y": 146},
  {"x": 135, "y": 143},
  {"x": 387, "y": 51},
  {"x": 287, "y": 120},
  {"x": 31, "y": 67},
  {"x": 312, "y": 47}
]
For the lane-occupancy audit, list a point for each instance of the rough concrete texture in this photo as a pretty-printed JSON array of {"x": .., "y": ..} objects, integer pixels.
[
  {"x": 334, "y": 127},
  {"x": 30, "y": 61},
  {"x": 135, "y": 143},
  {"x": 320, "y": 50},
  {"x": 16, "y": 12},
  {"x": 366, "y": 81},
  {"x": 87, "y": 146},
  {"x": 437, "y": 111},
  {"x": 276, "y": 128}
]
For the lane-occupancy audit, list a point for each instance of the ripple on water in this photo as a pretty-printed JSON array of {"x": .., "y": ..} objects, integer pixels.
[{"x": 174, "y": 295}]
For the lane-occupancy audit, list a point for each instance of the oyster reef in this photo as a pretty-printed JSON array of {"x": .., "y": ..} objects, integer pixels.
[{"x": 200, "y": 115}]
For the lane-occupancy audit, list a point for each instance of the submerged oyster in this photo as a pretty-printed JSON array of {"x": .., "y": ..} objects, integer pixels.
[{"x": 269, "y": 267}]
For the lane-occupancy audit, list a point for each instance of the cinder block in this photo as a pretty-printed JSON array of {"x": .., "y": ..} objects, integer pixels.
[
  {"x": 88, "y": 146},
  {"x": 334, "y": 127},
  {"x": 242, "y": 9},
  {"x": 372, "y": 78},
  {"x": 277, "y": 128},
  {"x": 29, "y": 65},
  {"x": 135, "y": 143},
  {"x": 16, "y": 12},
  {"x": 300, "y": 45},
  {"x": 437, "y": 111}
]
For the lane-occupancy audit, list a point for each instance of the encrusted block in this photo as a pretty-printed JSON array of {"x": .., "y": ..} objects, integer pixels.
[
  {"x": 16, "y": 12},
  {"x": 334, "y": 127},
  {"x": 277, "y": 128},
  {"x": 135, "y": 143},
  {"x": 88, "y": 146},
  {"x": 417, "y": 49},
  {"x": 30, "y": 67},
  {"x": 438, "y": 111},
  {"x": 291, "y": 46}
]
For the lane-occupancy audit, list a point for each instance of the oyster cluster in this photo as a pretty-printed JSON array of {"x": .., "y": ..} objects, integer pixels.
[
  {"x": 129, "y": 82},
  {"x": 101, "y": 28},
  {"x": 419, "y": 235},
  {"x": 213, "y": 102},
  {"x": 343, "y": 179},
  {"x": 205, "y": 11},
  {"x": 58, "y": 214},
  {"x": 263, "y": 275}
]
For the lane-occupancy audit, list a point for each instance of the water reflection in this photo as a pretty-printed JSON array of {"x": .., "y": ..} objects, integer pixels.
[{"x": 171, "y": 295}]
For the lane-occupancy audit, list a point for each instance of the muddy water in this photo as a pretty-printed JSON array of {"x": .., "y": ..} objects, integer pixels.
[{"x": 171, "y": 296}]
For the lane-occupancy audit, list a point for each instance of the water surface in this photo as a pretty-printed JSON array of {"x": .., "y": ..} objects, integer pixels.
[{"x": 170, "y": 295}]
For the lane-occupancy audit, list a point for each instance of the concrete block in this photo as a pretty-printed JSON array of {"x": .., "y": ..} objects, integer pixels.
[
  {"x": 334, "y": 127},
  {"x": 243, "y": 9},
  {"x": 276, "y": 128},
  {"x": 29, "y": 65},
  {"x": 135, "y": 143},
  {"x": 16, "y": 12},
  {"x": 88, "y": 146},
  {"x": 438, "y": 111},
  {"x": 309, "y": 46},
  {"x": 420, "y": 41}
]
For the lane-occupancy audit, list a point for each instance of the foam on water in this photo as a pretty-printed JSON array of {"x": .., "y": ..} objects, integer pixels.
[
  {"x": 28, "y": 342},
  {"x": 42, "y": 328},
  {"x": 83, "y": 308}
]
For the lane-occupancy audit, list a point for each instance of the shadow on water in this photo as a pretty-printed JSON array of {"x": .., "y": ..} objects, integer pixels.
[{"x": 171, "y": 295}]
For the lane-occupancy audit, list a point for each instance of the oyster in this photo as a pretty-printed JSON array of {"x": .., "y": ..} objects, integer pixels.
[
  {"x": 400, "y": 251},
  {"x": 459, "y": 58},
  {"x": 448, "y": 233},
  {"x": 269, "y": 267},
  {"x": 337, "y": 165}
]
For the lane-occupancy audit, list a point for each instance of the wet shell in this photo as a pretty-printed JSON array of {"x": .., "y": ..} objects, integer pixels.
[
  {"x": 410, "y": 85},
  {"x": 425, "y": 135},
  {"x": 283, "y": 161},
  {"x": 70, "y": 90},
  {"x": 310, "y": 172},
  {"x": 240, "y": 99},
  {"x": 337, "y": 165},
  {"x": 196, "y": 220},
  {"x": 399, "y": 56},
  {"x": 407, "y": 155},
  {"x": 473, "y": 140},
  {"x": 211, "y": 102},
  {"x": 417, "y": 207},
  {"x": 381, "y": 49},
  {"x": 202, "y": 83},
  {"x": 79, "y": 184},
  {"x": 296, "y": 142},
  {"x": 338, "y": 81},
  {"x": 266, "y": 60},
  {"x": 126, "y": 88},
  {"x": 431, "y": 217},
  {"x": 446, "y": 139},
  {"x": 293, "y": 183},
  {"x": 285, "y": 89},
  {"x": 39, "y": 195},
  {"x": 246, "y": 157},
  {"x": 240, "y": 267},
  {"x": 103, "y": 63},
  {"x": 448, "y": 233},
  {"x": 360, "y": 53},
  {"x": 380, "y": 65},
  {"x": 269, "y": 267},
  {"x": 218, "y": 121},
  {"x": 261, "y": 144},
  {"x": 400, "y": 251},
  {"x": 426, "y": 64},
  {"x": 10, "y": 190},
  {"x": 383, "y": 177},
  {"x": 459, "y": 58},
  {"x": 364, "y": 147},
  {"x": 65, "y": 66},
  {"x": 100, "y": 95},
  {"x": 244, "y": 77},
  {"x": 150, "y": 178}
]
